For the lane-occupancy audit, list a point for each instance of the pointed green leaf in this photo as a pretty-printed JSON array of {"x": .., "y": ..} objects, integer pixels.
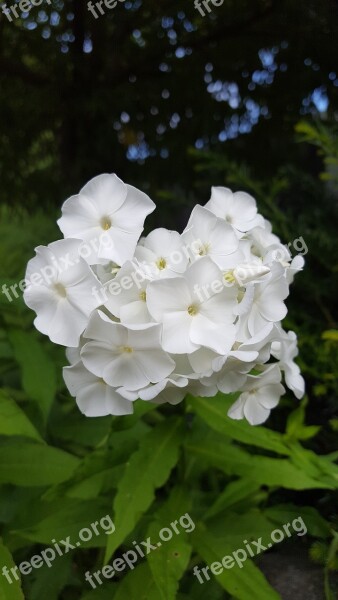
[
  {"x": 246, "y": 583},
  {"x": 30, "y": 464},
  {"x": 8, "y": 591},
  {"x": 13, "y": 421},
  {"x": 38, "y": 370},
  {"x": 137, "y": 584},
  {"x": 234, "y": 493},
  {"x": 267, "y": 471},
  {"x": 214, "y": 412},
  {"x": 148, "y": 468},
  {"x": 170, "y": 559},
  {"x": 168, "y": 563}
]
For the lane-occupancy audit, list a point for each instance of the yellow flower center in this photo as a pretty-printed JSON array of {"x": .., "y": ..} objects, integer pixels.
[
  {"x": 204, "y": 249},
  {"x": 161, "y": 264},
  {"x": 126, "y": 349},
  {"x": 229, "y": 276},
  {"x": 143, "y": 295},
  {"x": 105, "y": 223},
  {"x": 192, "y": 310}
]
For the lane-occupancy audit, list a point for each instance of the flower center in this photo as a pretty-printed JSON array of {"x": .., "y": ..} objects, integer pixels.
[
  {"x": 60, "y": 290},
  {"x": 229, "y": 276},
  {"x": 161, "y": 263},
  {"x": 106, "y": 223},
  {"x": 143, "y": 295},
  {"x": 192, "y": 310},
  {"x": 126, "y": 349},
  {"x": 228, "y": 218},
  {"x": 204, "y": 249}
]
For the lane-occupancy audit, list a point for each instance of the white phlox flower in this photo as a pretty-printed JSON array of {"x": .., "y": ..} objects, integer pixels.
[
  {"x": 109, "y": 215},
  {"x": 163, "y": 253},
  {"x": 207, "y": 235},
  {"x": 60, "y": 291},
  {"x": 193, "y": 314},
  {"x": 239, "y": 209},
  {"x": 125, "y": 357},
  {"x": 285, "y": 350},
  {"x": 259, "y": 395},
  {"x": 85, "y": 386},
  {"x": 127, "y": 294}
]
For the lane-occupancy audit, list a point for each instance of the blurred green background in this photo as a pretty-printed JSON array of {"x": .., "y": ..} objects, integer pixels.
[{"x": 173, "y": 102}]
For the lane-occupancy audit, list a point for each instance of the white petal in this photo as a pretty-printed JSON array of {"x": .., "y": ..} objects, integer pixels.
[
  {"x": 131, "y": 215},
  {"x": 167, "y": 296},
  {"x": 236, "y": 411},
  {"x": 97, "y": 356},
  {"x": 135, "y": 313},
  {"x": 215, "y": 336},
  {"x": 176, "y": 333},
  {"x": 254, "y": 412},
  {"x": 125, "y": 371},
  {"x": 201, "y": 276},
  {"x": 155, "y": 364},
  {"x": 269, "y": 395}
]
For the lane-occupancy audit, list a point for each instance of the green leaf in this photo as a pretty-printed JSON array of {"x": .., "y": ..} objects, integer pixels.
[
  {"x": 138, "y": 584},
  {"x": 234, "y": 493},
  {"x": 296, "y": 428},
  {"x": 49, "y": 582},
  {"x": 148, "y": 468},
  {"x": 315, "y": 523},
  {"x": 13, "y": 421},
  {"x": 168, "y": 563},
  {"x": 9, "y": 591},
  {"x": 320, "y": 467},
  {"x": 68, "y": 519},
  {"x": 268, "y": 471},
  {"x": 232, "y": 528},
  {"x": 30, "y": 464},
  {"x": 214, "y": 412},
  {"x": 38, "y": 370},
  {"x": 170, "y": 560},
  {"x": 246, "y": 583}
]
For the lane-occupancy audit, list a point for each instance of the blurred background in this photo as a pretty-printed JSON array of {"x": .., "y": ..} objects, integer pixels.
[{"x": 174, "y": 102}]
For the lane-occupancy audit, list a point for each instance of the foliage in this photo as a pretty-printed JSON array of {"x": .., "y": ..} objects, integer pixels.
[{"x": 60, "y": 471}]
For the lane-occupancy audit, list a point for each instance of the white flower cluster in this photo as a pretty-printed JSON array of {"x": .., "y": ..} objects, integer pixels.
[{"x": 158, "y": 317}]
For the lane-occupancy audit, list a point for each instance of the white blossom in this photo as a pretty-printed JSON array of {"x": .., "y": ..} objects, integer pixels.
[
  {"x": 106, "y": 205},
  {"x": 123, "y": 357},
  {"x": 93, "y": 396},
  {"x": 239, "y": 209},
  {"x": 192, "y": 313},
  {"x": 259, "y": 395},
  {"x": 60, "y": 291}
]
